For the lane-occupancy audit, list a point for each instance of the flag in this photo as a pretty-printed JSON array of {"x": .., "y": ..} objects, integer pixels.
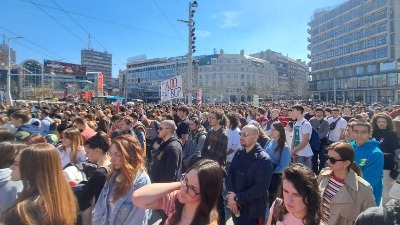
[{"x": 117, "y": 106}]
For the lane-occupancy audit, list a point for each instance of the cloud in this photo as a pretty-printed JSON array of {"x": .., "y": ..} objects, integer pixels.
[
  {"x": 228, "y": 19},
  {"x": 203, "y": 33}
]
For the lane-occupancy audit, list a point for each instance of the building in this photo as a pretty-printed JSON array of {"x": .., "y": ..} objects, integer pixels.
[
  {"x": 98, "y": 62},
  {"x": 4, "y": 56},
  {"x": 235, "y": 77},
  {"x": 220, "y": 77},
  {"x": 355, "y": 52},
  {"x": 293, "y": 74}
]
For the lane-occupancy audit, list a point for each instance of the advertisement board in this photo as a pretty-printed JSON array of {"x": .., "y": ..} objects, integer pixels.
[
  {"x": 55, "y": 67},
  {"x": 171, "y": 89}
]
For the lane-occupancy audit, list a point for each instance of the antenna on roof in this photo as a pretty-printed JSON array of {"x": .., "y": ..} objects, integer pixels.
[{"x": 89, "y": 47}]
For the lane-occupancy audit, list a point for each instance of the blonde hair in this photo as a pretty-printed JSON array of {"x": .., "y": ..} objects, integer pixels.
[
  {"x": 46, "y": 197},
  {"x": 75, "y": 136}
]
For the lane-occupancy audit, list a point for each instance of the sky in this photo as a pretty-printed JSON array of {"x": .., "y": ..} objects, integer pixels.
[{"x": 59, "y": 30}]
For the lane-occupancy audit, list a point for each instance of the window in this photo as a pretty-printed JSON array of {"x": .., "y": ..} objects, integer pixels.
[
  {"x": 369, "y": 43},
  {"x": 381, "y": 53},
  {"x": 360, "y": 70},
  {"x": 369, "y": 55},
  {"x": 358, "y": 57},
  {"x": 381, "y": 14},
  {"x": 380, "y": 3},
  {"x": 371, "y": 68},
  {"x": 381, "y": 40},
  {"x": 392, "y": 79},
  {"x": 347, "y": 49},
  {"x": 381, "y": 27},
  {"x": 369, "y": 19},
  {"x": 387, "y": 66},
  {"x": 357, "y": 46}
]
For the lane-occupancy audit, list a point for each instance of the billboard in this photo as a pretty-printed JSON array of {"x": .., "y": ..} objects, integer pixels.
[
  {"x": 63, "y": 68},
  {"x": 97, "y": 79},
  {"x": 171, "y": 89}
]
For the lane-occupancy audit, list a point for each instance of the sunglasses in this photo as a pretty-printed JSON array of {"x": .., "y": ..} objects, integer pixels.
[
  {"x": 162, "y": 128},
  {"x": 333, "y": 160},
  {"x": 243, "y": 134}
]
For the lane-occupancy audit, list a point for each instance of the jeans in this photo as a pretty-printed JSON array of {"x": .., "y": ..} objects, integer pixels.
[
  {"x": 317, "y": 166},
  {"x": 304, "y": 160}
]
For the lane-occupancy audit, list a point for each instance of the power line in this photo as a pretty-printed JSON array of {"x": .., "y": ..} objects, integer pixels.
[
  {"x": 108, "y": 21},
  {"x": 166, "y": 18},
  {"x": 27, "y": 40},
  {"x": 58, "y": 22},
  {"x": 76, "y": 22}
]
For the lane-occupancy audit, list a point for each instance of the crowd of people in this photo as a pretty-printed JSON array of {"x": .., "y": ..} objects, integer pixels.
[{"x": 274, "y": 163}]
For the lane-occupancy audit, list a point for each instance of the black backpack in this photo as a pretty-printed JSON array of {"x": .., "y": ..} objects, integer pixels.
[{"x": 388, "y": 214}]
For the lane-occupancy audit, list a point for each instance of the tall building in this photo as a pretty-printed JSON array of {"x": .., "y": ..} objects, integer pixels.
[
  {"x": 292, "y": 74},
  {"x": 98, "y": 62},
  {"x": 4, "y": 56},
  {"x": 220, "y": 77},
  {"x": 355, "y": 52}
]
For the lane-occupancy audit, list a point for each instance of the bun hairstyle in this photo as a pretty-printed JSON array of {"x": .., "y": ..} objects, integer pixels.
[{"x": 99, "y": 140}]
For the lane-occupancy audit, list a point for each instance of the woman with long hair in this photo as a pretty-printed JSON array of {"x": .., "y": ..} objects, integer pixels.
[
  {"x": 190, "y": 201},
  {"x": 298, "y": 201},
  {"x": 71, "y": 149},
  {"x": 382, "y": 131},
  {"x": 279, "y": 152},
  {"x": 344, "y": 193},
  {"x": 9, "y": 189},
  {"x": 233, "y": 137},
  {"x": 127, "y": 174},
  {"x": 262, "y": 137},
  {"x": 46, "y": 197}
]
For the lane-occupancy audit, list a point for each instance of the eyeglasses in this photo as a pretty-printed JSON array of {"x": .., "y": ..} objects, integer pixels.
[
  {"x": 333, "y": 160},
  {"x": 190, "y": 190},
  {"x": 243, "y": 134},
  {"x": 162, "y": 128}
]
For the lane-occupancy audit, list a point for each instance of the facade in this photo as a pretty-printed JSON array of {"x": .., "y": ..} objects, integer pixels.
[
  {"x": 293, "y": 74},
  {"x": 355, "y": 52},
  {"x": 220, "y": 77},
  {"x": 235, "y": 77},
  {"x": 4, "y": 56},
  {"x": 98, "y": 62}
]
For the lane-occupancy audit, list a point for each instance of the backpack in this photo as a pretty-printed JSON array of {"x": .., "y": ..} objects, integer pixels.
[
  {"x": 314, "y": 139},
  {"x": 75, "y": 173},
  {"x": 388, "y": 214}
]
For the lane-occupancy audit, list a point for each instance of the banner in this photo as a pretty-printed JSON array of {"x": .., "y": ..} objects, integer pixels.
[
  {"x": 171, "y": 89},
  {"x": 199, "y": 94},
  {"x": 100, "y": 83}
]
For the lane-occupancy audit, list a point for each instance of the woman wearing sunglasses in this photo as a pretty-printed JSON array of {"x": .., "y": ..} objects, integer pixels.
[
  {"x": 344, "y": 193},
  {"x": 188, "y": 202}
]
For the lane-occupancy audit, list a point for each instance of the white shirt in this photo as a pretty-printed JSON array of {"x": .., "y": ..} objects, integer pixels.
[
  {"x": 65, "y": 156},
  {"x": 304, "y": 128},
  {"x": 334, "y": 135},
  {"x": 233, "y": 142}
]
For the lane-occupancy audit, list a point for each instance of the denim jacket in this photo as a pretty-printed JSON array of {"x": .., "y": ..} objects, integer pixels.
[{"x": 124, "y": 212}]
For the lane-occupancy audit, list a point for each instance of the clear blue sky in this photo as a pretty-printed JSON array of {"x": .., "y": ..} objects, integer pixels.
[{"x": 133, "y": 27}]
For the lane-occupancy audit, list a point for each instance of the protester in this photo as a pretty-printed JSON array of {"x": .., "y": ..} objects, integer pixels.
[
  {"x": 322, "y": 126},
  {"x": 22, "y": 120},
  {"x": 301, "y": 149},
  {"x": 46, "y": 197},
  {"x": 190, "y": 201},
  {"x": 194, "y": 144},
  {"x": 114, "y": 205},
  {"x": 298, "y": 201},
  {"x": 71, "y": 149},
  {"x": 382, "y": 131},
  {"x": 86, "y": 131},
  {"x": 279, "y": 152},
  {"x": 9, "y": 189},
  {"x": 233, "y": 138},
  {"x": 345, "y": 193}
]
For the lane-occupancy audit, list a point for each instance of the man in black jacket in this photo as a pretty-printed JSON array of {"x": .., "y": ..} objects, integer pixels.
[{"x": 248, "y": 180}]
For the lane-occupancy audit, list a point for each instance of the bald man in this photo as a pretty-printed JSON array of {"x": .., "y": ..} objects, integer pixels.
[{"x": 248, "y": 180}]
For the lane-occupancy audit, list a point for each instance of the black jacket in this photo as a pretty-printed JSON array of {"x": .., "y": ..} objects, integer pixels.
[
  {"x": 249, "y": 176},
  {"x": 167, "y": 163}
]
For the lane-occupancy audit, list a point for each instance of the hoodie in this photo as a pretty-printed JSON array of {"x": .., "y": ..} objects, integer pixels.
[
  {"x": 33, "y": 127},
  {"x": 370, "y": 160},
  {"x": 9, "y": 189}
]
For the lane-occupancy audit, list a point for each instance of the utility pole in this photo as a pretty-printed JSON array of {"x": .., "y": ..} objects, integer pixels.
[{"x": 9, "y": 98}]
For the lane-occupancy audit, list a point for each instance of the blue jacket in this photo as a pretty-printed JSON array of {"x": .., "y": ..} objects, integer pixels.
[
  {"x": 9, "y": 189},
  {"x": 279, "y": 160},
  {"x": 249, "y": 176},
  {"x": 370, "y": 160},
  {"x": 124, "y": 212}
]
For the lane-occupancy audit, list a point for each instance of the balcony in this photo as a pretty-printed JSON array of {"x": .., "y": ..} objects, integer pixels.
[
  {"x": 309, "y": 56},
  {"x": 309, "y": 47},
  {"x": 309, "y": 39},
  {"x": 309, "y": 30}
]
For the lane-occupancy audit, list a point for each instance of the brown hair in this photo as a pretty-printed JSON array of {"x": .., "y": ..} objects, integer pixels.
[
  {"x": 22, "y": 114},
  {"x": 346, "y": 152},
  {"x": 74, "y": 135},
  {"x": 8, "y": 151},
  {"x": 132, "y": 155},
  {"x": 46, "y": 192}
]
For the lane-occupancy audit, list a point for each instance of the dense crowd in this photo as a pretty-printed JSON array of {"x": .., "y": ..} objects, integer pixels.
[{"x": 274, "y": 163}]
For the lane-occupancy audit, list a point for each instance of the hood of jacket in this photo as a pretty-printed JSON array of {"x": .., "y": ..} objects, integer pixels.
[
  {"x": 5, "y": 175},
  {"x": 370, "y": 144},
  {"x": 33, "y": 127}
]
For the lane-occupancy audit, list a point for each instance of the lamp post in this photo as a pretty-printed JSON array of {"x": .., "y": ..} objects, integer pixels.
[
  {"x": 9, "y": 100},
  {"x": 191, "y": 48}
]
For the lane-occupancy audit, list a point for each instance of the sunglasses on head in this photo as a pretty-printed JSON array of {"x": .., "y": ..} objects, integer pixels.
[{"x": 333, "y": 160}]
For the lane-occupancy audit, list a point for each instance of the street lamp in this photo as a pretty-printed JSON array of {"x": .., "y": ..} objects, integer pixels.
[
  {"x": 191, "y": 47},
  {"x": 9, "y": 99}
]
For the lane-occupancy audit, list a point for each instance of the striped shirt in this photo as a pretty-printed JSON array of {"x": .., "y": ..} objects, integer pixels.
[{"x": 332, "y": 188}]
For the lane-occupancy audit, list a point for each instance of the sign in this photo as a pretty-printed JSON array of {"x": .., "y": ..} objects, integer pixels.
[
  {"x": 198, "y": 96},
  {"x": 171, "y": 89},
  {"x": 55, "y": 67},
  {"x": 256, "y": 100},
  {"x": 100, "y": 83}
]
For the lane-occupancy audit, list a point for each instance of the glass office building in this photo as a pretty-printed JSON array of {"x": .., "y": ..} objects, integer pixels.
[{"x": 355, "y": 52}]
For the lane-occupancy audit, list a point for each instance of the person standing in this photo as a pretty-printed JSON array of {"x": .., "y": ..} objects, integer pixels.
[
  {"x": 322, "y": 126},
  {"x": 274, "y": 117},
  {"x": 233, "y": 138},
  {"x": 337, "y": 126},
  {"x": 215, "y": 149},
  {"x": 183, "y": 126},
  {"x": 301, "y": 149},
  {"x": 368, "y": 157},
  {"x": 195, "y": 143},
  {"x": 248, "y": 180}
]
